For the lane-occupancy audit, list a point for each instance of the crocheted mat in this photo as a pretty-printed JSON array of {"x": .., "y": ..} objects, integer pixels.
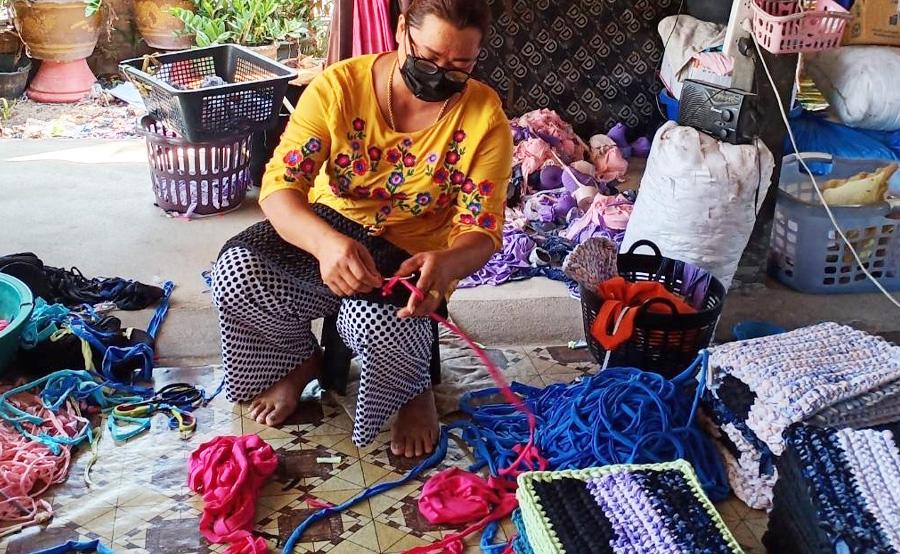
[
  {"x": 622, "y": 508},
  {"x": 142, "y": 504},
  {"x": 793, "y": 376},
  {"x": 839, "y": 489},
  {"x": 827, "y": 374}
]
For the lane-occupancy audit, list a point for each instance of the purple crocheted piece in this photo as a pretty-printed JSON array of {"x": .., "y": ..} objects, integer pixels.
[{"x": 638, "y": 526}]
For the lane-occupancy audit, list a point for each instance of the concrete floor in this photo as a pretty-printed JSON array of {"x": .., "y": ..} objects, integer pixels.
[{"x": 89, "y": 204}]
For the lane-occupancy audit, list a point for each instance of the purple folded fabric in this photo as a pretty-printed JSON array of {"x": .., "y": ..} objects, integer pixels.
[
  {"x": 619, "y": 135},
  {"x": 563, "y": 206},
  {"x": 583, "y": 180},
  {"x": 641, "y": 147},
  {"x": 517, "y": 248}
]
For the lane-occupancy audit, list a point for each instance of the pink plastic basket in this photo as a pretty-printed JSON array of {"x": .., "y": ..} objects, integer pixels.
[{"x": 782, "y": 27}]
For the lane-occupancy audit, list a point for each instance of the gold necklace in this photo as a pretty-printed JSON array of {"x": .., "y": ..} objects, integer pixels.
[{"x": 391, "y": 98}]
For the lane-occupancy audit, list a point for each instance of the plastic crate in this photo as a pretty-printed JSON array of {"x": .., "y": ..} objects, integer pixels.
[
  {"x": 807, "y": 254},
  {"x": 664, "y": 343},
  {"x": 783, "y": 27},
  {"x": 196, "y": 178},
  {"x": 170, "y": 85}
]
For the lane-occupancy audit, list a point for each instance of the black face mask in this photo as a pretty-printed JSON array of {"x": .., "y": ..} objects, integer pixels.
[{"x": 426, "y": 86}]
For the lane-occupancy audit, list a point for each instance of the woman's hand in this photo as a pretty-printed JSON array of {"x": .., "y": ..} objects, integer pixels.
[
  {"x": 435, "y": 275},
  {"x": 347, "y": 267}
]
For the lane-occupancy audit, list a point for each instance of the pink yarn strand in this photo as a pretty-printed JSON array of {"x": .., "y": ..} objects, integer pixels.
[
  {"x": 28, "y": 468},
  {"x": 489, "y": 500}
]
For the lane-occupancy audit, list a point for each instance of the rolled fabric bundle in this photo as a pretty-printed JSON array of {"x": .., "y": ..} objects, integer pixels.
[
  {"x": 641, "y": 147},
  {"x": 551, "y": 177},
  {"x": 564, "y": 205}
]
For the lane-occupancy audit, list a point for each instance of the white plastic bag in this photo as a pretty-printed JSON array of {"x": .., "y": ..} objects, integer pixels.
[
  {"x": 696, "y": 200},
  {"x": 684, "y": 36},
  {"x": 860, "y": 83}
]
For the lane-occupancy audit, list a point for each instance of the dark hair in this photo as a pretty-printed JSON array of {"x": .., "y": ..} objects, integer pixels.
[{"x": 461, "y": 13}]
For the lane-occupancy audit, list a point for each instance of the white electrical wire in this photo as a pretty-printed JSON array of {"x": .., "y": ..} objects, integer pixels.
[{"x": 800, "y": 159}]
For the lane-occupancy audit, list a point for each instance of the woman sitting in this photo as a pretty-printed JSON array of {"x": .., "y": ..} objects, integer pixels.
[{"x": 392, "y": 164}]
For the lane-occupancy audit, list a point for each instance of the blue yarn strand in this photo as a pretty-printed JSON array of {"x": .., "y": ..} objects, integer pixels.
[{"x": 161, "y": 310}]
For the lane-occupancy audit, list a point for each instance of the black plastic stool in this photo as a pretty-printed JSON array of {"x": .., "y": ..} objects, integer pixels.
[{"x": 337, "y": 356}]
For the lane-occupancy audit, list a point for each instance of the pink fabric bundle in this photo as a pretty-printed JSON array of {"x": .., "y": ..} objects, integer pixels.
[
  {"x": 533, "y": 154},
  {"x": 27, "y": 467},
  {"x": 457, "y": 497},
  {"x": 229, "y": 472},
  {"x": 608, "y": 159},
  {"x": 606, "y": 212},
  {"x": 372, "y": 33},
  {"x": 548, "y": 123}
]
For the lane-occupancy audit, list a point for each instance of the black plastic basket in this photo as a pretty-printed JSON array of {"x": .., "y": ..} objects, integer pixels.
[
  {"x": 664, "y": 343},
  {"x": 170, "y": 85}
]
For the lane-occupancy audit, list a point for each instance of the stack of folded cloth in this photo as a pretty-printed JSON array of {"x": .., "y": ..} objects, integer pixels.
[
  {"x": 656, "y": 508},
  {"x": 840, "y": 492},
  {"x": 825, "y": 375}
]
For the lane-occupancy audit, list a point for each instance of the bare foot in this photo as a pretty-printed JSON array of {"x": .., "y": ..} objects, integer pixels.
[
  {"x": 278, "y": 402},
  {"x": 415, "y": 430}
]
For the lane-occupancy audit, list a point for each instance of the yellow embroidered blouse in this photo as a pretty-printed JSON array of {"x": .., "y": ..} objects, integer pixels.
[{"x": 421, "y": 190}]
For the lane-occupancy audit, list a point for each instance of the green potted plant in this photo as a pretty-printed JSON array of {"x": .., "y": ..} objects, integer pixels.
[
  {"x": 161, "y": 29},
  {"x": 61, "y": 33},
  {"x": 258, "y": 24}
]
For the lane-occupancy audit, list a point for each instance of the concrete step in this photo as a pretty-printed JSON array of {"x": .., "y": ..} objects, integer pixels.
[{"x": 101, "y": 219}]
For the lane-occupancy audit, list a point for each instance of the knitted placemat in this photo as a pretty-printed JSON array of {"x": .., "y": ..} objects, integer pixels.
[
  {"x": 840, "y": 489},
  {"x": 796, "y": 375},
  {"x": 651, "y": 508}
]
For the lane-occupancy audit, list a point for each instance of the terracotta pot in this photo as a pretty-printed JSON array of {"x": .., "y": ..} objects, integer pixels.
[
  {"x": 269, "y": 50},
  {"x": 61, "y": 82},
  {"x": 57, "y": 30},
  {"x": 159, "y": 28}
]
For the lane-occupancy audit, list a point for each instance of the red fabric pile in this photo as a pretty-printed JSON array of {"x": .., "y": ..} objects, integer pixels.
[{"x": 229, "y": 472}]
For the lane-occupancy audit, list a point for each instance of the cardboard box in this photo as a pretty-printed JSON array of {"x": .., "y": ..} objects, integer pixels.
[{"x": 874, "y": 22}]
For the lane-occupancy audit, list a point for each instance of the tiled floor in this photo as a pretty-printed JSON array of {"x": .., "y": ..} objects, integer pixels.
[{"x": 140, "y": 501}]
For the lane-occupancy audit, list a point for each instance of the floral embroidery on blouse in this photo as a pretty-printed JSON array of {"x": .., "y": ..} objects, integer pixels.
[
  {"x": 473, "y": 197},
  {"x": 299, "y": 163},
  {"x": 451, "y": 182},
  {"x": 358, "y": 162}
]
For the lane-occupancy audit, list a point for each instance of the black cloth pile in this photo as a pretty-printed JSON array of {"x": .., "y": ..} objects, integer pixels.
[
  {"x": 67, "y": 351},
  {"x": 71, "y": 288}
]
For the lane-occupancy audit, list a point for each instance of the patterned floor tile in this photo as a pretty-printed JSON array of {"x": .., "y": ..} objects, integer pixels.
[{"x": 140, "y": 502}]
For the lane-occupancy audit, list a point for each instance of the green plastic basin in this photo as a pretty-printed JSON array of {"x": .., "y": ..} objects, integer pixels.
[{"x": 16, "y": 304}]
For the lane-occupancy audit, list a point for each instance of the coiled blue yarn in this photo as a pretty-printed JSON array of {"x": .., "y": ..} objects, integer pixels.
[{"x": 619, "y": 416}]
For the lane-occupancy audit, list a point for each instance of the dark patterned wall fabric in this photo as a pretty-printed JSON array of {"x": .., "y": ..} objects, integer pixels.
[{"x": 593, "y": 61}]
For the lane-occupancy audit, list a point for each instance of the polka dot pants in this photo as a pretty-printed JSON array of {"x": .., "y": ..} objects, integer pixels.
[{"x": 265, "y": 319}]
